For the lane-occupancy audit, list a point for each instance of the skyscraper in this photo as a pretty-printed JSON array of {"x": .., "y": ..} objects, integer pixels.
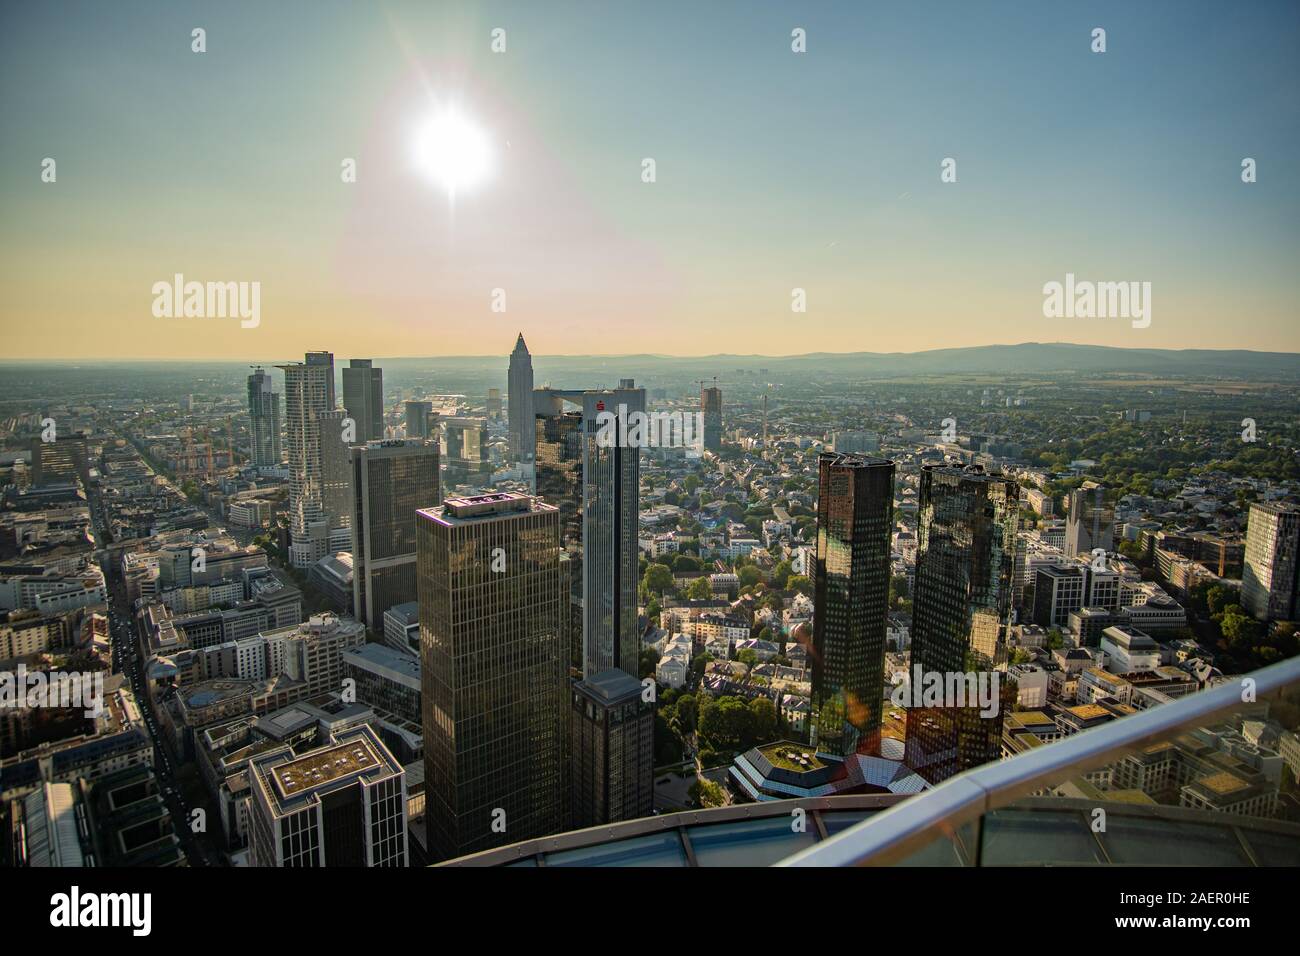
[
  {"x": 558, "y": 481},
  {"x": 465, "y": 443},
  {"x": 596, "y": 485},
  {"x": 308, "y": 391},
  {"x": 494, "y": 404},
  {"x": 711, "y": 406},
  {"x": 493, "y": 671},
  {"x": 521, "y": 404},
  {"x": 391, "y": 480},
  {"x": 336, "y": 443},
  {"x": 342, "y": 804},
  {"x": 1270, "y": 577},
  {"x": 363, "y": 397},
  {"x": 1090, "y": 521},
  {"x": 855, "y": 508},
  {"x": 961, "y": 601},
  {"x": 419, "y": 419},
  {"x": 263, "y": 420}
]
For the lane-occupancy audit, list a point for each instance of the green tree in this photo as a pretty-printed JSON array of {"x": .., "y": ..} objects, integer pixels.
[
  {"x": 699, "y": 590},
  {"x": 705, "y": 793},
  {"x": 658, "y": 578},
  {"x": 763, "y": 719}
]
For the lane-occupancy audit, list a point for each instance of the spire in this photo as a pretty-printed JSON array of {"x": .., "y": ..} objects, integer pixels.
[{"x": 520, "y": 345}]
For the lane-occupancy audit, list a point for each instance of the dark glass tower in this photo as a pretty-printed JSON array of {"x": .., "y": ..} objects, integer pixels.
[
  {"x": 711, "y": 408},
  {"x": 966, "y": 545},
  {"x": 559, "y": 482},
  {"x": 493, "y": 671},
  {"x": 363, "y": 397},
  {"x": 391, "y": 480},
  {"x": 855, "y": 507}
]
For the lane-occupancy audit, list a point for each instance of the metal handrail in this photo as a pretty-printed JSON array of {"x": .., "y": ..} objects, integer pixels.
[{"x": 896, "y": 833}]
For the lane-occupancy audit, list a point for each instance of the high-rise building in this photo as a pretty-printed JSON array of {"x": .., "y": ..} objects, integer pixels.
[
  {"x": 363, "y": 397},
  {"x": 419, "y": 419},
  {"x": 493, "y": 671},
  {"x": 711, "y": 406},
  {"x": 558, "y": 482},
  {"x": 336, "y": 476},
  {"x": 263, "y": 420},
  {"x": 961, "y": 602},
  {"x": 1090, "y": 522},
  {"x": 611, "y": 478},
  {"x": 308, "y": 391},
  {"x": 595, "y": 483},
  {"x": 855, "y": 509},
  {"x": 59, "y": 461},
  {"x": 612, "y": 749},
  {"x": 1270, "y": 577},
  {"x": 494, "y": 404},
  {"x": 391, "y": 480},
  {"x": 465, "y": 450},
  {"x": 343, "y": 804},
  {"x": 520, "y": 410}
]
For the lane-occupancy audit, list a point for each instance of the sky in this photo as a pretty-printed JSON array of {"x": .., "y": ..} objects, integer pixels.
[{"x": 774, "y": 171}]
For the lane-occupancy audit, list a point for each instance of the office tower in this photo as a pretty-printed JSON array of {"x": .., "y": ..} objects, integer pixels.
[
  {"x": 419, "y": 419},
  {"x": 711, "y": 407},
  {"x": 1090, "y": 522},
  {"x": 264, "y": 420},
  {"x": 611, "y": 477},
  {"x": 966, "y": 545},
  {"x": 855, "y": 442},
  {"x": 336, "y": 476},
  {"x": 1058, "y": 592},
  {"x": 596, "y": 485},
  {"x": 308, "y": 391},
  {"x": 855, "y": 511},
  {"x": 391, "y": 480},
  {"x": 465, "y": 447},
  {"x": 363, "y": 397},
  {"x": 612, "y": 750},
  {"x": 493, "y": 671},
  {"x": 494, "y": 404},
  {"x": 343, "y": 804},
  {"x": 611, "y": 729},
  {"x": 521, "y": 404},
  {"x": 558, "y": 482},
  {"x": 63, "y": 460},
  {"x": 1270, "y": 577}
]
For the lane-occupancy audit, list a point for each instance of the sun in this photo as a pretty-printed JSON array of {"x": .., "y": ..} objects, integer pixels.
[{"x": 454, "y": 151}]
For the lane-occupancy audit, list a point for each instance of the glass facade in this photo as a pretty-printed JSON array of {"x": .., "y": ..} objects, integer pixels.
[
  {"x": 854, "y": 519},
  {"x": 966, "y": 543},
  {"x": 493, "y": 671},
  {"x": 390, "y": 482}
]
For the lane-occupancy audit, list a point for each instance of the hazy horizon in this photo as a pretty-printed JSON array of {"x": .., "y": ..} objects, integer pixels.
[{"x": 775, "y": 171}]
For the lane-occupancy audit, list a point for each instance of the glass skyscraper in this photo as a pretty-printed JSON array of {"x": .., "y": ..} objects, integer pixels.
[
  {"x": 855, "y": 507},
  {"x": 961, "y": 602},
  {"x": 493, "y": 670},
  {"x": 391, "y": 480},
  {"x": 263, "y": 420},
  {"x": 363, "y": 397}
]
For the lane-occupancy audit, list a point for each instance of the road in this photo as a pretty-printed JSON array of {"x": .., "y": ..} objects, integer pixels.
[{"x": 127, "y": 660}]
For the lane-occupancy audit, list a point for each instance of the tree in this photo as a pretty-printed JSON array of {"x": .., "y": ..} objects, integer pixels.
[
  {"x": 747, "y": 656},
  {"x": 749, "y": 576},
  {"x": 699, "y": 590},
  {"x": 658, "y": 578},
  {"x": 781, "y": 573},
  {"x": 685, "y": 562},
  {"x": 706, "y": 793},
  {"x": 687, "y": 712},
  {"x": 648, "y": 662},
  {"x": 763, "y": 717},
  {"x": 800, "y": 583}
]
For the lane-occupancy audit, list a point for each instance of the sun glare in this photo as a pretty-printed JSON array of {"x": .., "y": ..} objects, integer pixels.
[{"x": 454, "y": 152}]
